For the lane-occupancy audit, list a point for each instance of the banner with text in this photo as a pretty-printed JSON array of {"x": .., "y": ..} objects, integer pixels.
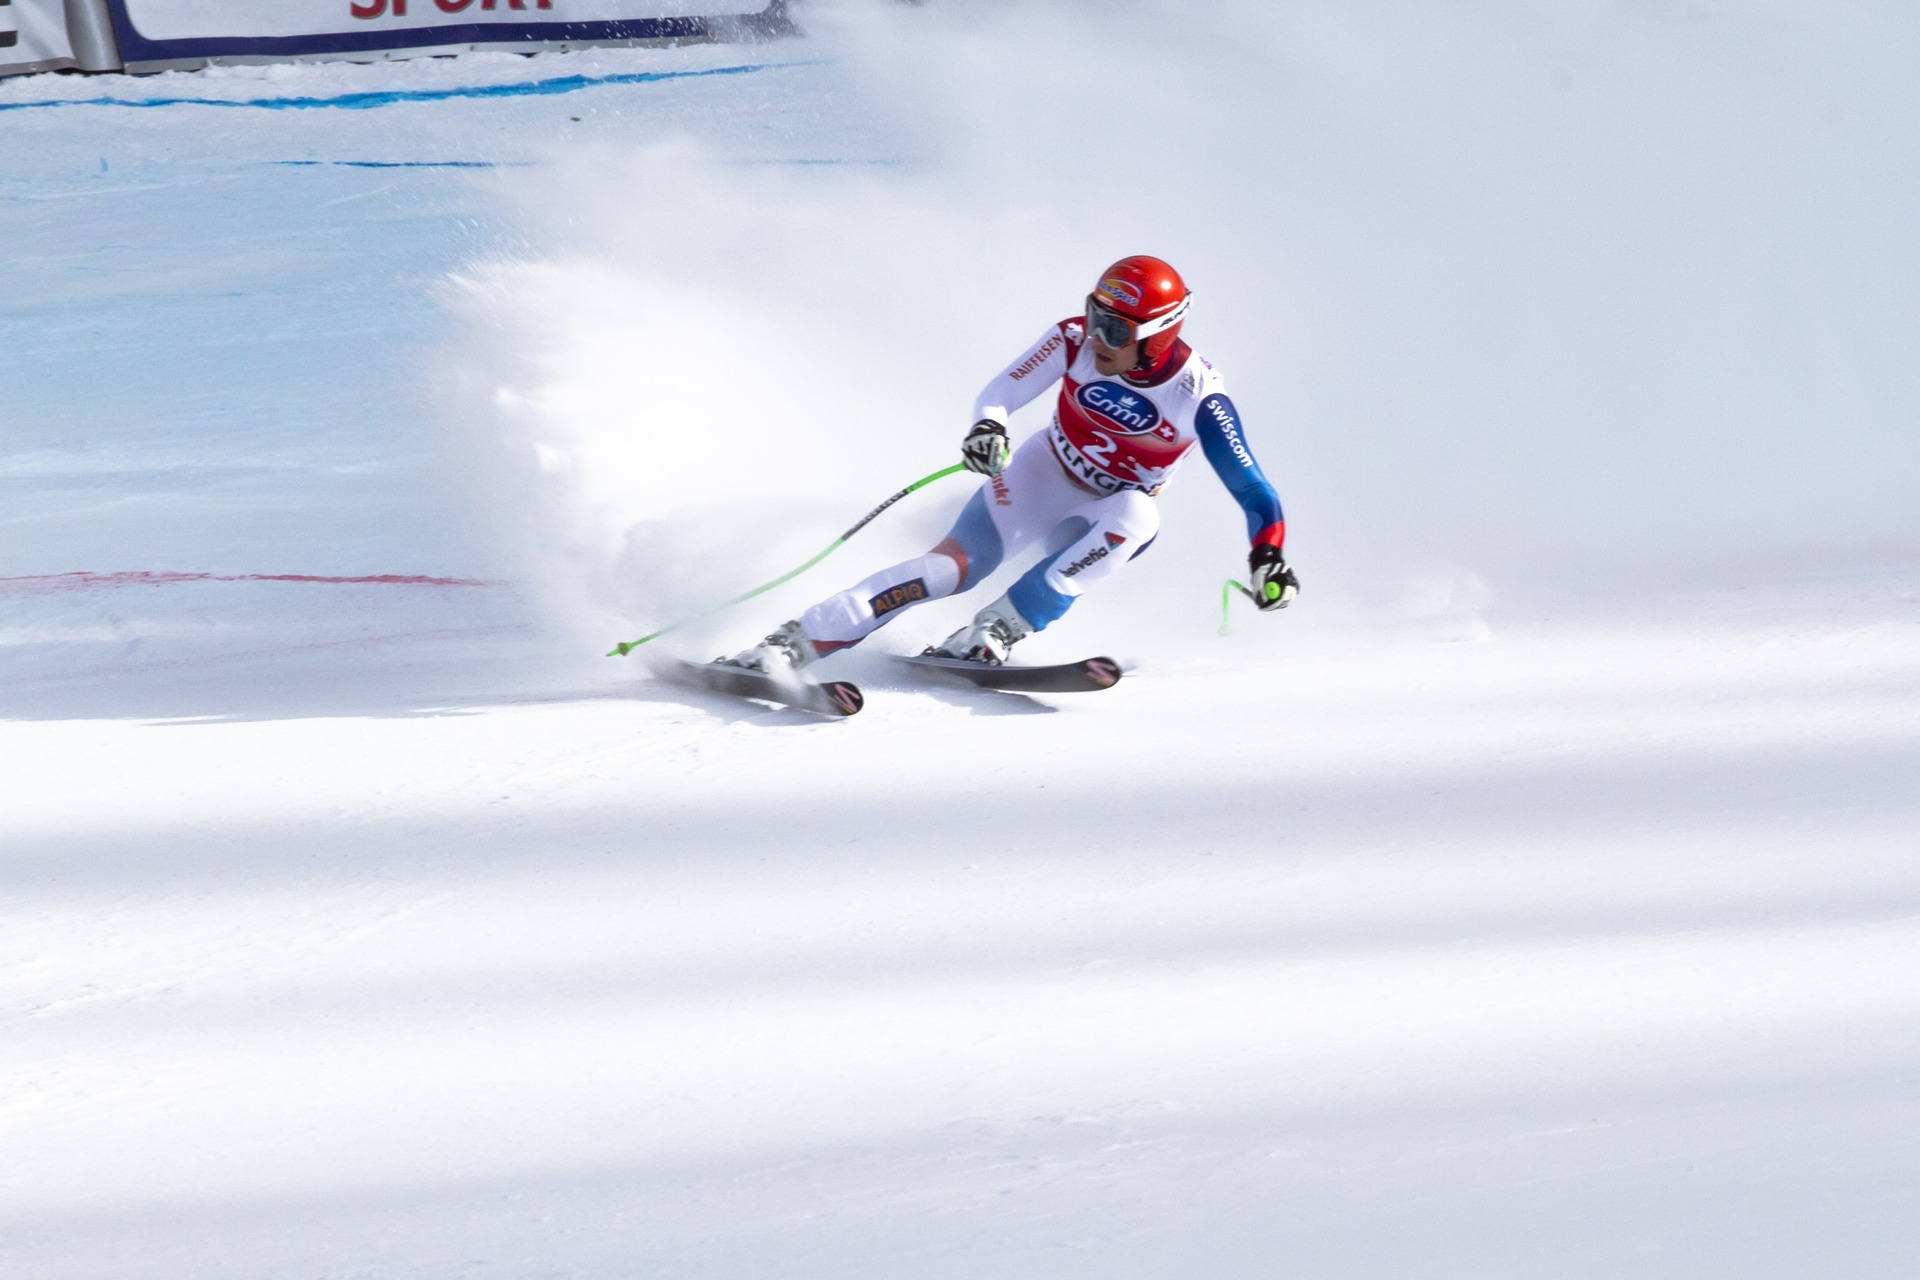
[{"x": 153, "y": 31}]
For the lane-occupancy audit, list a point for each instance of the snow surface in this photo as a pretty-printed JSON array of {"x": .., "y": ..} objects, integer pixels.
[{"x": 1536, "y": 898}]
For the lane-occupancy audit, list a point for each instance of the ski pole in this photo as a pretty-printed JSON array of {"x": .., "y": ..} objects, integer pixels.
[
  {"x": 1226, "y": 596},
  {"x": 623, "y": 649}
]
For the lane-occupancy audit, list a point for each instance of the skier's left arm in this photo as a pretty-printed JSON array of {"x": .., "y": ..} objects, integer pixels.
[{"x": 1217, "y": 424}]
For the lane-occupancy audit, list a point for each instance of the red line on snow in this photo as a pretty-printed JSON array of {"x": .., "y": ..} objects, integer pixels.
[{"x": 49, "y": 583}]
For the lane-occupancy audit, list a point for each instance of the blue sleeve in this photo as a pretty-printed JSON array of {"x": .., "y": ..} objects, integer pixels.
[{"x": 1218, "y": 426}]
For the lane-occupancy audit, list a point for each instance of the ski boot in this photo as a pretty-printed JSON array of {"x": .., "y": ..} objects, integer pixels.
[
  {"x": 781, "y": 655},
  {"x": 987, "y": 639}
]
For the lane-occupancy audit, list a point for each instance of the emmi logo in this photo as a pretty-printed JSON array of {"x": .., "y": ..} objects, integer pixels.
[
  {"x": 898, "y": 597},
  {"x": 1124, "y": 409}
]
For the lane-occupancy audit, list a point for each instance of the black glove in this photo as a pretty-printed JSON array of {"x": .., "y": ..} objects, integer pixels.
[
  {"x": 1274, "y": 585},
  {"x": 985, "y": 448}
]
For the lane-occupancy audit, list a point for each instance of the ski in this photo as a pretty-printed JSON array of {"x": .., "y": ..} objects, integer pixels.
[
  {"x": 1085, "y": 676},
  {"x": 830, "y": 698}
]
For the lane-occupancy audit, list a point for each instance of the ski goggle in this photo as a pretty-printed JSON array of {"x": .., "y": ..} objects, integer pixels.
[{"x": 1115, "y": 330}]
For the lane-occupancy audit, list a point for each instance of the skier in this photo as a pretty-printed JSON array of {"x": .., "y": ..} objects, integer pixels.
[{"x": 1134, "y": 399}]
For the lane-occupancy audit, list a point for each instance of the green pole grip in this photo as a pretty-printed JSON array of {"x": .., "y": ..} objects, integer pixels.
[{"x": 1226, "y": 597}]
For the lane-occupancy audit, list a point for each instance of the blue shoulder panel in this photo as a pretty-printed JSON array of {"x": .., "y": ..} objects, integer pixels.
[{"x": 1218, "y": 426}]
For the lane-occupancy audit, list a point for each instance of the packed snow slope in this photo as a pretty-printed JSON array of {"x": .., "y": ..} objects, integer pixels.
[{"x": 1536, "y": 898}]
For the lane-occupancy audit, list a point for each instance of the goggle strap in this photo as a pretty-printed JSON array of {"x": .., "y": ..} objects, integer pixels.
[{"x": 1160, "y": 324}]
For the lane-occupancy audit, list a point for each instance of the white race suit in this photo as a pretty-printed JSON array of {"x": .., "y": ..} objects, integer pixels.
[{"x": 1084, "y": 487}]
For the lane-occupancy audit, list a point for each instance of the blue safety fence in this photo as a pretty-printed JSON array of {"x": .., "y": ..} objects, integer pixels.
[{"x": 388, "y": 98}]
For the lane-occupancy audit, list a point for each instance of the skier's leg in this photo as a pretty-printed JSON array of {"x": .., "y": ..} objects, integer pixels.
[
  {"x": 1007, "y": 513},
  {"x": 1023, "y": 502},
  {"x": 971, "y": 550},
  {"x": 1096, "y": 538},
  {"x": 850, "y": 616},
  {"x": 1118, "y": 528}
]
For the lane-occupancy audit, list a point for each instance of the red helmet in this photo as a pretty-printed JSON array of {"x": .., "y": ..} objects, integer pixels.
[{"x": 1139, "y": 299}]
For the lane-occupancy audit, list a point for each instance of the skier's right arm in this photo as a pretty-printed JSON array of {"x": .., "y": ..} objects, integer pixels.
[
  {"x": 1036, "y": 369},
  {"x": 986, "y": 449}
]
